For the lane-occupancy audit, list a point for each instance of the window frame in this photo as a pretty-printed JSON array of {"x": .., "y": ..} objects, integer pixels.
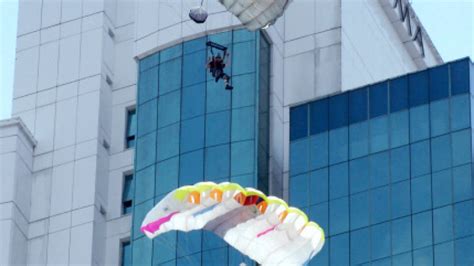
[
  {"x": 125, "y": 175},
  {"x": 127, "y": 138}
]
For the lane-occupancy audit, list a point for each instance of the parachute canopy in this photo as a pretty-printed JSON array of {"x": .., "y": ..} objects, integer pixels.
[
  {"x": 259, "y": 226},
  {"x": 256, "y": 14}
]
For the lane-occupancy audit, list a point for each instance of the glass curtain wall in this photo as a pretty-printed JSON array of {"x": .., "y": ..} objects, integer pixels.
[
  {"x": 190, "y": 129},
  {"x": 387, "y": 170}
]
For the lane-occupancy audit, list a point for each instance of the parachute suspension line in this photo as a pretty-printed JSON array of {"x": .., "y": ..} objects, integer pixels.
[{"x": 202, "y": 1}]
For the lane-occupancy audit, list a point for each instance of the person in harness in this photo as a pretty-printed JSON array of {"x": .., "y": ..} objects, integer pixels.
[{"x": 216, "y": 65}]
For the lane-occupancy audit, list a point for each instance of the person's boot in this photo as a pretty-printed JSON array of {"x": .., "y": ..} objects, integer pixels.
[{"x": 228, "y": 87}]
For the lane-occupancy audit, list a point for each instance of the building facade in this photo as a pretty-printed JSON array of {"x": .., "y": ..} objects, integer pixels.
[
  {"x": 99, "y": 83},
  {"x": 387, "y": 169}
]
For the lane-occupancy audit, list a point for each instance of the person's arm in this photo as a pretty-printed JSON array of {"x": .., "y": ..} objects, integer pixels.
[{"x": 227, "y": 60}]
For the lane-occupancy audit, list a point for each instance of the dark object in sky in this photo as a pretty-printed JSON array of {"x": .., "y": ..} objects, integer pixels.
[{"x": 198, "y": 14}]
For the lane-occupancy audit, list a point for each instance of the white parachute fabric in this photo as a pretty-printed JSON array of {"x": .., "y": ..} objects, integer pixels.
[
  {"x": 256, "y": 14},
  {"x": 263, "y": 228}
]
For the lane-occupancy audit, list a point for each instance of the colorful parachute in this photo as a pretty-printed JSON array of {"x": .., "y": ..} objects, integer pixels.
[
  {"x": 256, "y": 14},
  {"x": 263, "y": 228}
]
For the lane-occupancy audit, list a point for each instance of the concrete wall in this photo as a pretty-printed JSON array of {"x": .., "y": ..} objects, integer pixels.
[{"x": 67, "y": 50}]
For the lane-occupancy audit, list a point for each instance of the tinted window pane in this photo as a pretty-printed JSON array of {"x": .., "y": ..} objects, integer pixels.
[
  {"x": 440, "y": 153},
  {"x": 298, "y": 122},
  {"x": 214, "y": 256},
  {"x": 460, "y": 77},
  {"x": 245, "y": 94},
  {"x": 462, "y": 180},
  {"x": 439, "y": 82},
  {"x": 339, "y": 246},
  {"x": 444, "y": 254},
  {"x": 166, "y": 176},
  {"x": 463, "y": 253},
  {"x": 418, "y": 88},
  {"x": 147, "y": 117},
  {"x": 193, "y": 101},
  {"x": 421, "y": 193},
  {"x": 320, "y": 213},
  {"x": 398, "y": 94},
  {"x": 243, "y": 59},
  {"x": 401, "y": 235},
  {"x": 146, "y": 151},
  {"x": 400, "y": 199},
  {"x": 142, "y": 250},
  {"x": 319, "y": 116},
  {"x": 170, "y": 53},
  {"x": 148, "y": 85},
  {"x": 380, "y": 204},
  {"x": 299, "y": 190},
  {"x": 217, "y": 162},
  {"x": 338, "y": 145},
  {"x": 358, "y": 105},
  {"x": 338, "y": 216},
  {"x": 442, "y": 188},
  {"x": 139, "y": 213},
  {"x": 217, "y": 98},
  {"x": 399, "y": 131},
  {"x": 193, "y": 72},
  {"x": 422, "y": 229},
  {"x": 404, "y": 259},
  {"x": 380, "y": 240},
  {"x": 194, "y": 45},
  {"x": 419, "y": 123},
  {"x": 169, "y": 107},
  {"x": 420, "y": 158},
  {"x": 443, "y": 224},
  {"x": 359, "y": 171},
  {"x": 378, "y": 99},
  {"x": 192, "y": 134},
  {"x": 189, "y": 243},
  {"x": 319, "y": 156},
  {"x": 191, "y": 168},
  {"x": 338, "y": 115},
  {"x": 379, "y": 169},
  {"x": 338, "y": 181},
  {"x": 164, "y": 247},
  {"x": 358, "y": 139},
  {"x": 217, "y": 128},
  {"x": 242, "y": 157},
  {"x": 243, "y": 123},
  {"x": 299, "y": 157},
  {"x": 359, "y": 243},
  {"x": 439, "y": 115},
  {"x": 144, "y": 184},
  {"x": 319, "y": 186},
  {"x": 463, "y": 217},
  {"x": 423, "y": 256},
  {"x": 379, "y": 134},
  {"x": 460, "y": 110},
  {"x": 400, "y": 163},
  {"x": 168, "y": 142},
  {"x": 461, "y": 142},
  {"x": 126, "y": 259},
  {"x": 170, "y": 76},
  {"x": 149, "y": 61},
  {"x": 359, "y": 210}
]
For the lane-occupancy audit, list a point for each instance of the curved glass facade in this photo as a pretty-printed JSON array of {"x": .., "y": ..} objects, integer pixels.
[
  {"x": 387, "y": 170},
  {"x": 190, "y": 129}
]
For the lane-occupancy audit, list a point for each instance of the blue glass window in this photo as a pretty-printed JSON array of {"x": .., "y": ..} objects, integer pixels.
[
  {"x": 358, "y": 139},
  {"x": 418, "y": 88},
  {"x": 149, "y": 62},
  {"x": 192, "y": 134},
  {"x": 422, "y": 229},
  {"x": 338, "y": 216},
  {"x": 464, "y": 254},
  {"x": 299, "y": 156},
  {"x": 194, "y": 45},
  {"x": 243, "y": 59},
  {"x": 243, "y": 123},
  {"x": 460, "y": 77},
  {"x": 298, "y": 122},
  {"x": 191, "y": 168},
  {"x": 378, "y": 99},
  {"x": 398, "y": 94},
  {"x": 399, "y": 131},
  {"x": 423, "y": 256},
  {"x": 211, "y": 240},
  {"x": 379, "y": 134},
  {"x": 193, "y": 101},
  {"x": 419, "y": 123},
  {"x": 169, "y": 109},
  {"x": 320, "y": 213},
  {"x": 244, "y": 180},
  {"x": 142, "y": 251},
  {"x": 338, "y": 145},
  {"x": 442, "y": 188},
  {"x": 217, "y": 98},
  {"x": 359, "y": 171},
  {"x": 168, "y": 142},
  {"x": 189, "y": 243},
  {"x": 146, "y": 151},
  {"x": 214, "y": 256},
  {"x": 440, "y": 153},
  {"x": 462, "y": 180},
  {"x": 245, "y": 95},
  {"x": 401, "y": 235},
  {"x": 443, "y": 224},
  {"x": 359, "y": 243},
  {"x": 439, "y": 82},
  {"x": 380, "y": 240},
  {"x": 461, "y": 143},
  {"x": 319, "y": 153},
  {"x": 359, "y": 210},
  {"x": 400, "y": 164},
  {"x": 379, "y": 169},
  {"x": 144, "y": 184},
  {"x": 139, "y": 213},
  {"x": 126, "y": 250},
  {"x": 463, "y": 217},
  {"x": 420, "y": 158},
  {"x": 460, "y": 112},
  {"x": 319, "y": 186},
  {"x": 339, "y": 246},
  {"x": 421, "y": 193},
  {"x": 338, "y": 113},
  {"x": 358, "y": 105},
  {"x": 439, "y": 115},
  {"x": 147, "y": 118},
  {"x": 193, "y": 72},
  {"x": 299, "y": 190},
  {"x": 401, "y": 199},
  {"x": 131, "y": 128},
  {"x": 127, "y": 194},
  {"x": 444, "y": 254},
  {"x": 148, "y": 85},
  {"x": 319, "y": 116},
  {"x": 242, "y": 157},
  {"x": 243, "y": 35},
  {"x": 338, "y": 181},
  {"x": 166, "y": 176},
  {"x": 217, "y": 162},
  {"x": 170, "y": 76},
  {"x": 164, "y": 248},
  {"x": 171, "y": 53},
  {"x": 217, "y": 128},
  {"x": 380, "y": 204}
]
